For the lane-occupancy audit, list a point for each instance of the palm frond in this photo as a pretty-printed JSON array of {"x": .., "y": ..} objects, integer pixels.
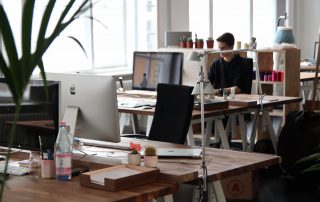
[
  {"x": 313, "y": 168},
  {"x": 27, "y": 16},
  {"x": 11, "y": 52},
  {"x": 312, "y": 157}
]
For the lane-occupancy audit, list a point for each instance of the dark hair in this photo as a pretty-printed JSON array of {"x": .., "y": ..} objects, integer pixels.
[{"x": 227, "y": 38}]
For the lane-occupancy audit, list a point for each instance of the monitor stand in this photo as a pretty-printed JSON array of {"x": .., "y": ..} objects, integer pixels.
[{"x": 70, "y": 117}]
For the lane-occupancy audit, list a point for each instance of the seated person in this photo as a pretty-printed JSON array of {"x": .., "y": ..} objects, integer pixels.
[{"x": 229, "y": 70}]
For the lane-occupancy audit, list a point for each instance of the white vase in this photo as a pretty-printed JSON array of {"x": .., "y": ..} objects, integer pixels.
[
  {"x": 151, "y": 161},
  {"x": 134, "y": 159}
]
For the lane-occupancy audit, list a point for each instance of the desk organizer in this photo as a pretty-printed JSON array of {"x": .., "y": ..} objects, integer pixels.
[
  {"x": 212, "y": 105},
  {"x": 120, "y": 177}
]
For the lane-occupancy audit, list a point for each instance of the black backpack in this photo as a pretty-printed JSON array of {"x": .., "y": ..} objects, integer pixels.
[{"x": 299, "y": 138}]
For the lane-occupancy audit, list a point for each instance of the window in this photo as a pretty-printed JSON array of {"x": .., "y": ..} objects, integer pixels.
[
  {"x": 232, "y": 16},
  {"x": 118, "y": 28},
  {"x": 199, "y": 18},
  {"x": 264, "y": 21},
  {"x": 235, "y": 16}
]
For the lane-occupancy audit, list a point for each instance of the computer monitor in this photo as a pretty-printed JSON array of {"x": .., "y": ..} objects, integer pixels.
[
  {"x": 151, "y": 68},
  {"x": 89, "y": 105},
  {"x": 38, "y": 116}
]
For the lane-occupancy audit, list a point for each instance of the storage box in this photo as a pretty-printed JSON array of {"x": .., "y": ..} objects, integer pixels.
[
  {"x": 120, "y": 177},
  {"x": 242, "y": 186}
]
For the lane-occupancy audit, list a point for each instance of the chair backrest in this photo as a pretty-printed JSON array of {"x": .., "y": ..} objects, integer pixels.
[
  {"x": 249, "y": 75},
  {"x": 172, "y": 114}
]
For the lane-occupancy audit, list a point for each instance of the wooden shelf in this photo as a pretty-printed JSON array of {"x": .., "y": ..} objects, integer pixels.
[{"x": 269, "y": 82}]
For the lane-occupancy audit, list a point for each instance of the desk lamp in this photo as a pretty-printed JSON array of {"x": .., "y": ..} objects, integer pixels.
[
  {"x": 202, "y": 87},
  {"x": 284, "y": 34}
]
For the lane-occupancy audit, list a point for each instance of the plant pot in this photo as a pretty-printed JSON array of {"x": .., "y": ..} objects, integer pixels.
[
  {"x": 134, "y": 159},
  {"x": 189, "y": 44},
  {"x": 210, "y": 43},
  {"x": 183, "y": 44},
  {"x": 199, "y": 44},
  {"x": 151, "y": 161}
]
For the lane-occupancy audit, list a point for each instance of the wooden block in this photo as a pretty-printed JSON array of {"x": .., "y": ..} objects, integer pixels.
[
  {"x": 243, "y": 103},
  {"x": 213, "y": 105},
  {"x": 242, "y": 186},
  {"x": 119, "y": 177}
]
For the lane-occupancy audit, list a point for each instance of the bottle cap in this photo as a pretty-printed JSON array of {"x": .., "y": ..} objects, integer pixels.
[{"x": 62, "y": 124}]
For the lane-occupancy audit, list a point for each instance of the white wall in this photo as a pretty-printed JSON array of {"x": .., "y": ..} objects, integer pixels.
[
  {"x": 173, "y": 15},
  {"x": 306, "y": 25}
]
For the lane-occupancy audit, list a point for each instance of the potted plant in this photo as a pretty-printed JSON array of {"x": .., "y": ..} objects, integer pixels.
[
  {"x": 134, "y": 157},
  {"x": 17, "y": 70},
  {"x": 199, "y": 43},
  {"x": 189, "y": 43},
  {"x": 210, "y": 42},
  {"x": 183, "y": 42},
  {"x": 150, "y": 157}
]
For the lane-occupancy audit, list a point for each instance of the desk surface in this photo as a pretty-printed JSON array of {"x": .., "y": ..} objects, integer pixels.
[
  {"x": 45, "y": 125},
  {"x": 268, "y": 101},
  {"x": 308, "y": 68},
  {"x": 33, "y": 188},
  {"x": 221, "y": 164},
  {"x": 308, "y": 76}
]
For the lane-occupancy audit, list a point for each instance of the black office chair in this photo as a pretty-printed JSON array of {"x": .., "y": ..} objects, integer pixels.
[
  {"x": 249, "y": 75},
  {"x": 172, "y": 115}
]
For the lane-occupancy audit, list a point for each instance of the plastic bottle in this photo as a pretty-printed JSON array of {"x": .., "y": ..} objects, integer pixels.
[{"x": 63, "y": 153}]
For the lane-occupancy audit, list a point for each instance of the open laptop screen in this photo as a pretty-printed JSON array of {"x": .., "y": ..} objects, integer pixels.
[{"x": 151, "y": 68}]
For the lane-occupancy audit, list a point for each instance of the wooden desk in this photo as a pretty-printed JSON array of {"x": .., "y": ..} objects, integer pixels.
[
  {"x": 273, "y": 125},
  {"x": 307, "y": 76},
  {"x": 39, "y": 125},
  {"x": 221, "y": 164},
  {"x": 34, "y": 189},
  {"x": 308, "y": 68},
  {"x": 210, "y": 116}
]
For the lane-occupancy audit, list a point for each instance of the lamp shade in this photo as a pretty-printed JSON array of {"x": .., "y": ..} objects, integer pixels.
[
  {"x": 208, "y": 89},
  {"x": 284, "y": 35},
  {"x": 194, "y": 56}
]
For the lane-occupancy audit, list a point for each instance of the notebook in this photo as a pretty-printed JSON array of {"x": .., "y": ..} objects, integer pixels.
[{"x": 178, "y": 152}]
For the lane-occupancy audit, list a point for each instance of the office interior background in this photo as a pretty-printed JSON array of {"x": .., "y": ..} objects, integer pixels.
[{"x": 123, "y": 26}]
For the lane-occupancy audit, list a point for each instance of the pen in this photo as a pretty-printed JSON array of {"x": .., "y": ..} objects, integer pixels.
[
  {"x": 50, "y": 156},
  {"x": 40, "y": 143}
]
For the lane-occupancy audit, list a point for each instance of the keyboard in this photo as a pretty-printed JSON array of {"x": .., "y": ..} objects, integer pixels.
[
  {"x": 136, "y": 103},
  {"x": 88, "y": 142}
]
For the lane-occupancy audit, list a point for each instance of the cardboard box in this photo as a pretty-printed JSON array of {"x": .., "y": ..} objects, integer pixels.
[{"x": 242, "y": 186}]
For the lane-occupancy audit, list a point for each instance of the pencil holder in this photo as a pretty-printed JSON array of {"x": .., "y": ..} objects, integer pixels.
[{"x": 48, "y": 169}]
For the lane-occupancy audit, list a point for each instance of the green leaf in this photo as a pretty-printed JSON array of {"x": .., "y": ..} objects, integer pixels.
[
  {"x": 27, "y": 16},
  {"x": 11, "y": 51},
  {"x": 312, "y": 169},
  {"x": 312, "y": 157},
  {"x": 79, "y": 43},
  {"x": 44, "y": 23},
  {"x": 44, "y": 78}
]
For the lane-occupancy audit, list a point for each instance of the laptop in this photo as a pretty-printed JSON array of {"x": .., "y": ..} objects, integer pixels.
[{"x": 178, "y": 152}]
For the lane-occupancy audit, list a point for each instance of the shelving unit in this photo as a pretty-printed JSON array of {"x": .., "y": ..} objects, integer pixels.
[{"x": 290, "y": 86}]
